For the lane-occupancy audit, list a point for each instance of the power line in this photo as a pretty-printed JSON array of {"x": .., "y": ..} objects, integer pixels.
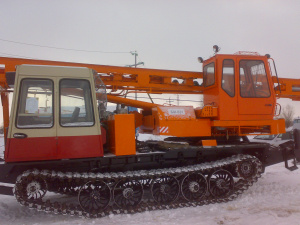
[
  {"x": 16, "y": 55},
  {"x": 26, "y": 57},
  {"x": 67, "y": 49}
]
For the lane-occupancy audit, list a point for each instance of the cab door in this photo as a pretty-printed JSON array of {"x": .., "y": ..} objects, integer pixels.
[
  {"x": 255, "y": 96},
  {"x": 78, "y": 133},
  {"x": 32, "y": 135}
]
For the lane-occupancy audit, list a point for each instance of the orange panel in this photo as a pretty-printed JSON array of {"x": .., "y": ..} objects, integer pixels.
[
  {"x": 275, "y": 126},
  {"x": 209, "y": 111},
  {"x": 209, "y": 143},
  {"x": 187, "y": 128},
  {"x": 122, "y": 134},
  {"x": 198, "y": 111},
  {"x": 278, "y": 126},
  {"x": 206, "y": 111},
  {"x": 180, "y": 121},
  {"x": 138, "y": 117},
  {"x": 148, "y": 122}
]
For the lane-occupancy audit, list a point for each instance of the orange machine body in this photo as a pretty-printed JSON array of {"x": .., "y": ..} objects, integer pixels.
[{"x": 238, "y": 95}]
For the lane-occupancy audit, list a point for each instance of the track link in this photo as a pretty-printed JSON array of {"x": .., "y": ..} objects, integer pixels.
[{"x": 70, "y": 182}]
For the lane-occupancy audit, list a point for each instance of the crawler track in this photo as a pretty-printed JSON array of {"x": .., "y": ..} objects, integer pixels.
[{"x": 120, "y": 192}]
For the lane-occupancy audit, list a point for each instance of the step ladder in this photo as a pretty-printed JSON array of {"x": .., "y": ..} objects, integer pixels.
[{"x": 288, "y": 152}]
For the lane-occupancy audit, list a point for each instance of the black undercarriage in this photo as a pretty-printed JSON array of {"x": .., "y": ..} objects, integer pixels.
[{"x": 157, "y": 155}]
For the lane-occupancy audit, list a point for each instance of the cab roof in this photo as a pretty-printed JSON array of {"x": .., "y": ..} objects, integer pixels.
[{"x": 53, "y": 71}]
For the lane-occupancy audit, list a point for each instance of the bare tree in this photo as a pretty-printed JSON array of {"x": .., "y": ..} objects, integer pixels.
[{"x": 288, "y": 113}]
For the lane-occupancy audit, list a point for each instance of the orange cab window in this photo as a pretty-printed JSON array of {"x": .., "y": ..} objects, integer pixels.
[
  {"x": 209, "y": 75},
  {"x": 228, "y": 77}
]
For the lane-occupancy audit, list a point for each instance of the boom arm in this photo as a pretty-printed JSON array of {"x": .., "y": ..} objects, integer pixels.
[
  {"x": 146, "y": 80},
  {"x": 122, "y": 78},
  {"x": 289, "y": 88}
]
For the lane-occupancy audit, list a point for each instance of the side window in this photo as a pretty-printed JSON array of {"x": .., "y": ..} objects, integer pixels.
[
  {"x": 228, "y": 77},
  {"x": 253, "y": 79},
  {"x": 35, "y": 106},
  {"x": 76, "y": 109},
  {"x": 209, "y": 75},
  {"x": 101, "y": 96}
]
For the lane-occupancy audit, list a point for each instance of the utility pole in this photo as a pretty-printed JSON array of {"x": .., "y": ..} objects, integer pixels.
[
  {"x": 135, "y": 60},
  {"x": 135, "y": 65},
  {"x": 135, "y": 56},
  {"x": 170, "y": 100}
]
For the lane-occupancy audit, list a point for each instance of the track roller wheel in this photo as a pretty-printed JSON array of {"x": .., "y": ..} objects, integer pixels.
[
  {"x": 94, "y": 196},
  {"x": 194, "y": 187},
  {"x": 165, "y": 189},
  {"x": 220, "y": 183},
  {"x": 128, "y": 193}
]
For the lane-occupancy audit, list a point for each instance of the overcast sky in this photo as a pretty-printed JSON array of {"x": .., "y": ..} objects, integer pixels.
[{"x": 168, "y": 34}]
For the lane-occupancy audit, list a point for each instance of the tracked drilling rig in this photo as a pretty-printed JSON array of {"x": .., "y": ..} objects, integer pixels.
[{"x": 59, "y": 138}]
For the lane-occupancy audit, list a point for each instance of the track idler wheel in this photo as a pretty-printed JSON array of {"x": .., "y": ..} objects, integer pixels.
[
  {"x": 128, "y": 193},
  {"x": 94, "y": 196},
  {"x": 246, "y": 169},
  {"x": 31, "y": 188},
  {"x": 194, "y": 187},
  {"x": 165, "y": 189},
  {"x": 220, "y": 183}
]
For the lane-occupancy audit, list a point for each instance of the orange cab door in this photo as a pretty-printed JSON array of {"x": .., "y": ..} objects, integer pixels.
[{"x": 255, "y": 96}]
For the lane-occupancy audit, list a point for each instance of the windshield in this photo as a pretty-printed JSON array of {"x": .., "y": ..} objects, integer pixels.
[{"x": 265, "y": 137}]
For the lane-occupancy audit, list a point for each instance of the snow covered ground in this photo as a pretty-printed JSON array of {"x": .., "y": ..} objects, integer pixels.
[{"x": 274, "y": 199}]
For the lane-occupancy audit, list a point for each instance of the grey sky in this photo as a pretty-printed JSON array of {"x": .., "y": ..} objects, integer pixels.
[{"x": 168, "y": 34}]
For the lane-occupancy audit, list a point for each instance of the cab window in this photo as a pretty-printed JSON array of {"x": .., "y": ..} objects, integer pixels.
[
  {"x": 35, "y": 106},
  {"x": 76, "y": 109},
  {"x": 253, "y": 79},
  {"x": 209, "y": 75},
  {"x": 228, "y": 77}
]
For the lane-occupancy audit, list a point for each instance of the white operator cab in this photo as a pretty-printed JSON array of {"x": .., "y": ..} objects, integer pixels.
[{"x": 54, "y": 115}]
